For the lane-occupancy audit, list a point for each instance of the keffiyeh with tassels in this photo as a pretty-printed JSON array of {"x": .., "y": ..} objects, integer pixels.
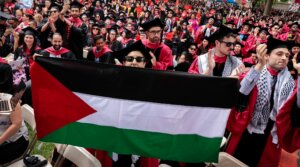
[{"x": 283, "y": 89}]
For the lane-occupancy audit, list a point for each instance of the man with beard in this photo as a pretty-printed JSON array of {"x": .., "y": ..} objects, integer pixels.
[
  {"x": 56, "y": 50},
  {"x": 77, "y": 22},
  {"x": 218, "y": 62},
  {"x": 56, "y": 23},
  {"x": 162, "y": 52},
  {"x": 100, "y": 52}
]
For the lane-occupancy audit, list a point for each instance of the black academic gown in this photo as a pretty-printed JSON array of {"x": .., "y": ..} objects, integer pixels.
[
  {"x": 6, "y": 79},
  {"x": 67, "y": 55}
]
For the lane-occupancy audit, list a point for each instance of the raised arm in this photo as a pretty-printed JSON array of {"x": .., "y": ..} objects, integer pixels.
[{"x": 252, "y": 77}]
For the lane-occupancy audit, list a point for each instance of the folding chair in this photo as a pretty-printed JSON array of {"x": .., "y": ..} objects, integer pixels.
[
  {"x": 80, "y": 157},
  {"x": 227, "y": 160},
  {"x": 28, "y": 116}
]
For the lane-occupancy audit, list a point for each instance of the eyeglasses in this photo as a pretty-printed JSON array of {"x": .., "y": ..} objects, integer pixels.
[
  {"x": 53, "y": 11},
  {"x": 155, "y": 32},
  {"x": 112, "y": 34},
  {"x": 228, "y": 44},
  {"x": 137, "y": 59},
  {"x": 96, "y": 29}
]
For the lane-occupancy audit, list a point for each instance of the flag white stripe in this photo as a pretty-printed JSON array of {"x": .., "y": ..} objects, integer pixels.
[{"x": 155, "y": 117}]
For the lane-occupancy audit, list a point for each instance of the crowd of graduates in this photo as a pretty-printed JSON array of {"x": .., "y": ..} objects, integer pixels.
[{"x": 199, "y": 37}]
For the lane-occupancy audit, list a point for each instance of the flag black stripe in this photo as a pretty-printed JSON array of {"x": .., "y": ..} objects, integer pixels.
[{"x": 143, "y": 84}]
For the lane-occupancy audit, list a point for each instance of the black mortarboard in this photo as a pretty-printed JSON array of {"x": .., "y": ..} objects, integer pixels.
[
  {"x": 76, "y": 4},
  {"x": 4, "y": 16},
  {"x": 114, "y": 28},
  {"x": 120, "y": 19},
  {"x": 137, "y": 46},
  {"x": 184, "y": 67},
  {"x": 247, "y": 24},
  {"x": 152, "y": 23},
  {"x": 276, "y": 43},
  {"x": 56, "y": 5},
  {"x": 294, "y": 23},
  {"x": 221, "y": 33},
  {"x": 239, "y": 44},
  {"x": 275, "y": 24},
  {"x": 30, "y": 31},
  {"x": 102, "y": 24},
  {"x": 230, "y": 22},
  {"x": 128, "y": 33},
  {"x": 295, "y": 44},
  {"x": 265, "y": 30},
  {"x": 96, "y": 25}
]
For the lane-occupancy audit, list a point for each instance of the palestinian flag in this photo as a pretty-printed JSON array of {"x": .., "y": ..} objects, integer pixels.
[{"x": 160, "y": 114}]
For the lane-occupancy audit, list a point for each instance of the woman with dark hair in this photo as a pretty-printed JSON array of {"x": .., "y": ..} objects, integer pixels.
[
  {"x": 95, "y": 30},
  {"x": 28, "y": 48},
  {"x": 126, "y": 36},
  {"x": 112, "y": 41}
]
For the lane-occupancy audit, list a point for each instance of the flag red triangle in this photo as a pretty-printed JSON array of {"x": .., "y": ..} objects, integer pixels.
[{"x": 54, "y": 105}]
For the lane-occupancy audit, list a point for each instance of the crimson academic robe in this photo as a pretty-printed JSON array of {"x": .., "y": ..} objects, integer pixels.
[
  {"x": 61, "y": 53},
  {"x": 163, "y": 54},
  {"x": 288, "y": 136},
  {"x": 104, "y": 56}
]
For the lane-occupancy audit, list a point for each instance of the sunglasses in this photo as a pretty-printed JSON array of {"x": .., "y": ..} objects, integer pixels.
[
  {"x": 193, "y": 48},
  {"x": 228, "y": 44},
  {"x": 52, "y": 11},
  {"x": 137, "y": 59}
]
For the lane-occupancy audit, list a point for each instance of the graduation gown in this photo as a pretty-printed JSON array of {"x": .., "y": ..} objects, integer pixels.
[
  {"x": 103, "y": 56},
  {"x": 73, "y": 38},
  {"x": 163, "y": 54},
  {"x": 6, "y": 79},
  {"x": 75, "y": 42},
  {"x": 61, "y": 53},
  {"x": 219, "y": 68},
  {"x": 288, "y": 136}
]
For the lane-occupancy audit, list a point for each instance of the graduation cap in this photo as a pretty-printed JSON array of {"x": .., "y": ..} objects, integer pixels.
[
  {"x": 4, "y": 16},
  {"x": 264, "y": 30},
  {"x": 295, "y": 44},
  {"x": 152, "y": 23},
  {"x": 273, "y": 43},
  {"x": 230, "y": 22},
  {"x": 96, "y": 25},
  {"x": 30, "y": 31},
  {"x": 238, "y": 43},
  {"x": 275, "y": 24},
  {"x": 56, "y": 5},
  {"x": 221, "y": 33},
  {"x": 113, "y": 28},
  {"x": 137, "y": 46},
  {"x": 294, "y": 23},
  {"x": 184, "y": 67},
  {"x": 247, "y": 24},
  {"x": 76, "y": 4},
  {"x": 129, "y": 34}
]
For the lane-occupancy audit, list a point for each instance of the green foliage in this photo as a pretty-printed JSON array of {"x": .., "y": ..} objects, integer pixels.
[{"x": 41, "y": 148}]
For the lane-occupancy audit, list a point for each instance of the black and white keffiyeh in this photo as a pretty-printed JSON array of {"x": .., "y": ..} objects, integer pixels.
[
  {"x": 231, "y": 63},
  {"x": 283, "y": 89}
]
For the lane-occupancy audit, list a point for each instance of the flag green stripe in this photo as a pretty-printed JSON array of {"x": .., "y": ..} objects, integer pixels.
[{"x": 181, "y": 147}]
